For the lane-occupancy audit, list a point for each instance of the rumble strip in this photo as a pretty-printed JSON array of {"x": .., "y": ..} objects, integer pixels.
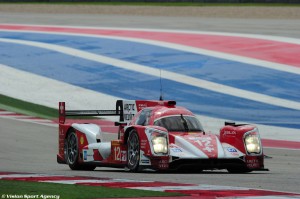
[{"x": 192, "y": 190}]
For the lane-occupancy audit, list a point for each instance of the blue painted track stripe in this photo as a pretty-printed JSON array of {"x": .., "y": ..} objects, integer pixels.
[
  {"x": 239, "y": 75},
  {"x": 133, "y": 85}
]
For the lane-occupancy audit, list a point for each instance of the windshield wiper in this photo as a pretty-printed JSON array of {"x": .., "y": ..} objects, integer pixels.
[{"x": 184, "y": 123}]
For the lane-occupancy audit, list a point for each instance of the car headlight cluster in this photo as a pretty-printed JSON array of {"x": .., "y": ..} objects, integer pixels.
[
  {"x": 252, "y": 142},
  {"x": 159, "y": 140},
  {"x": 160, "y": 144}
]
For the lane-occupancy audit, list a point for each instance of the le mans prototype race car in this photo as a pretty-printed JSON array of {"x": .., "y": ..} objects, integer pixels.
[{"x": 157, "y": 135}]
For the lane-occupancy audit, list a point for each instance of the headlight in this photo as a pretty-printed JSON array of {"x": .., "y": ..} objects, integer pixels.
[
  {"x": 160, "y": 144},
  {"x": 252, "y": 143},
  {"x": 158, "y": 138}
]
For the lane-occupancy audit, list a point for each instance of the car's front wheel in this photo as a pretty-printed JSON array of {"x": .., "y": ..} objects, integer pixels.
[{"x": 133, "y": 151}]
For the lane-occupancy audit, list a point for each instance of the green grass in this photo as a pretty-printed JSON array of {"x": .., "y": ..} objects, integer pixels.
[
  {"x": 31, "y": 109},
  {"x": 27, "y": 108},
  {"x": 8, "y": 187}
]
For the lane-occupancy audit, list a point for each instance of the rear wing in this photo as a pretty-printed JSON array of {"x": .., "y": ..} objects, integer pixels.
[{"x": 125, "y": 109}]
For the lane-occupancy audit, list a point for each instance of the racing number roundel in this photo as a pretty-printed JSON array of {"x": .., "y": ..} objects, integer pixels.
[{"x": 206, "y": 143}]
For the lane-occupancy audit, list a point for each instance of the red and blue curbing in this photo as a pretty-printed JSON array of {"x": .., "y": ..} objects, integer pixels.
[{"x": 192, "y": 191}]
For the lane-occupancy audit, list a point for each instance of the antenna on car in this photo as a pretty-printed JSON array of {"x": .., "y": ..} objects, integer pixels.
[{"x": 161, "y": 91}]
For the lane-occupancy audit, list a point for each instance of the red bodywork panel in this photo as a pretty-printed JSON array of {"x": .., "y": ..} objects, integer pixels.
[{"x": 234, "y": 135}]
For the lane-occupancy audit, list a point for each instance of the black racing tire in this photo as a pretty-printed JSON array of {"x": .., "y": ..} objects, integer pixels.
[
  {"x": 133, "y": 151},
  {"x": 72, "y": 153}
]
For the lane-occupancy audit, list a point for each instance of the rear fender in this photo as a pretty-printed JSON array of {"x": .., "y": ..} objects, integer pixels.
[
  {"x": 92, "y": 132},
  {"x": 86, "y": 134},
  {"x": 63, "y": 131}
]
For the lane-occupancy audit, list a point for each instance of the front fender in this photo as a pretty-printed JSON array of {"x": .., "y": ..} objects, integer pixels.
[
  {"x": 236, "y": 135},
  {"x": 147, "y": 134},
  {"x": 148, "y": 158}
]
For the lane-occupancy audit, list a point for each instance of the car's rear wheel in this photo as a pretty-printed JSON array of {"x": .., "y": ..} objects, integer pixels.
[
  {"x": 133, "y": 151},
  {"x": 72, "y": 153}
]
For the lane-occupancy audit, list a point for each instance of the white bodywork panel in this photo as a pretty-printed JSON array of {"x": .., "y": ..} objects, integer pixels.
[
  {"x": 188, "y": 149},
  {"x": 92, "y": 131},
  {"x": 231, "y": 151},
  {"x": 185, "y": 149},
  {"x": 104, "y": 149}
]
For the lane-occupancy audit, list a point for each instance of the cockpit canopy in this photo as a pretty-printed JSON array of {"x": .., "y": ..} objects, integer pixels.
[
  {"x": 180, "y": 123},
  {"x": 174, "y": 119}
]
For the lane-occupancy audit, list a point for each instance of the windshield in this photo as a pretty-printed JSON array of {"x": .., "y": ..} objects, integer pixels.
[{"x": 180, "y": 123}]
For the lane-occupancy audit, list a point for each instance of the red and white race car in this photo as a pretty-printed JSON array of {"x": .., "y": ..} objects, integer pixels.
[{"x": 157, "y": 135}]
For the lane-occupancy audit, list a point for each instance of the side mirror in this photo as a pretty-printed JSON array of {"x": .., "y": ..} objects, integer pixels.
[
  {"x": 120, "y": 123},
  {"x": 229, "y": 123}
]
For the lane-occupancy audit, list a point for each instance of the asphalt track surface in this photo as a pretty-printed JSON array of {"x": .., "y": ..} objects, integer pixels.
[
  {"x": 278, "y": 27},
  {"x": 27, "y": 147}
]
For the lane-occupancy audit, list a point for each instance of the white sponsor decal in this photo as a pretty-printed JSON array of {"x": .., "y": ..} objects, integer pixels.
[
  {"x": 229, "y": 133},
  {"x": 129, "y": 110},
  {"x": 143, "y": 159},
  {"x": 88, "y": 155},
  {"x": 206, "y": 143}
]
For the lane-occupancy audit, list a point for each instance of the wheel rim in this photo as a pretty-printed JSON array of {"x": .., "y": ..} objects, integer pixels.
[
  {"x": 133, "y": 150},
  {"x": 72, "y": 148}
]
